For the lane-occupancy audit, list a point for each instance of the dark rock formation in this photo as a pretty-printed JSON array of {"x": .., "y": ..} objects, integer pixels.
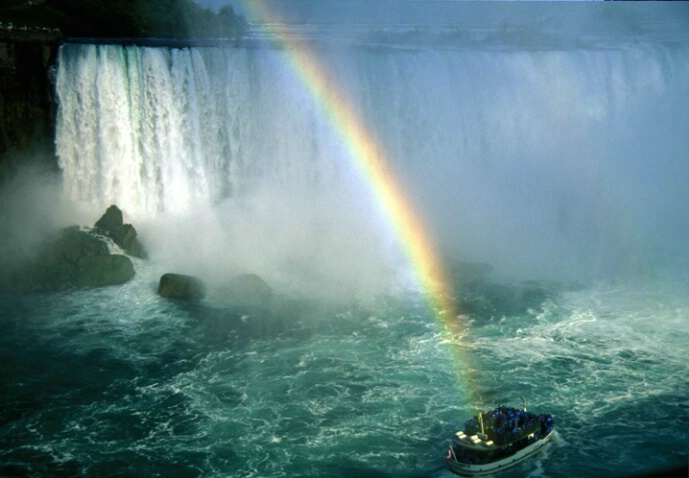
[
  {"x": 78, "y": 257},
  {"x": 111, "y": 220},
  {"x": 179, "y": 286},
  {"x": 248, "y": 290},
  {"x": 104, "y": 270},
  {"x": 27, "y": 106},
  {"x": 74, "y": 259},
  {"x": 111, "y": 224}
]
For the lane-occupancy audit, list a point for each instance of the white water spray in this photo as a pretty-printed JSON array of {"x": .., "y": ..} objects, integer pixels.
[{"x": 551, "y": 162}]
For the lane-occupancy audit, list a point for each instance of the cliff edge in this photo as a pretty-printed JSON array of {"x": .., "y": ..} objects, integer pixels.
[{"x": 27, "y": 107}]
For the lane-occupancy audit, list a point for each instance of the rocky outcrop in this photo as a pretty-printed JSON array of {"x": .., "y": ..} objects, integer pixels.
[
  {"x": 248, "y": 290},
  {"x": 180, "y": 286},
  {"x": 103, "y": 270},
  {"x": 80, "y": 257},
  {"x": 76, "y": 258},
  {"x": 111, "y": 224}
]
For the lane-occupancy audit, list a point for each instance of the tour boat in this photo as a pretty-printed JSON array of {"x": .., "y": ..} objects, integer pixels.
[{"x": 498, "y": 439}]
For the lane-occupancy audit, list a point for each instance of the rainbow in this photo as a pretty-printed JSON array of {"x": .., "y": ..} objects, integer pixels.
[{"x": 371, "y": 160}]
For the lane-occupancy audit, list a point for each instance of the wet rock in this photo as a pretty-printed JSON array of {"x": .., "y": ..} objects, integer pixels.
[
  {"x": 27, "y": 105},
  {"x": 104, "y": 270},
  {"x": 248, "y": 290},
  {"x": 74, "y": 258},
  {"x": 111, "y": 224},
  {"x": 179, "y": 286},
  {"x": 111, "y": 220},
  {"x": 73, "y": 244}
]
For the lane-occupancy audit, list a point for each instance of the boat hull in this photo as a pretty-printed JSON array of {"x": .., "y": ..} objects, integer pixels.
[{"x": 471, "y": 469}]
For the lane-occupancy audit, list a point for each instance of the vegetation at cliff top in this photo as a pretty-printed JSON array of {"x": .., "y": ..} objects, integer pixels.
[{"x": 124, "y": 18}]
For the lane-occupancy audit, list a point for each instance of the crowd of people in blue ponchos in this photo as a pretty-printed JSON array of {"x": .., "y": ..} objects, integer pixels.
[
  {"x": 511, "y": 429},
  {"x": 506, "y": 424}
]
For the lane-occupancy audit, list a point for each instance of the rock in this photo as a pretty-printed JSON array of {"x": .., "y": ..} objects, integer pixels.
[
  {"x": 111, "y": 224},
  {"x": 104, "y": 270},
  {"x": 126, "y": 237},
  {"x": 248, "y": 290},
  {"x": 74, "y": 258},
  {"x": 111, "y": 220},
  {"x": 179, "y": 286},
  {"x": 27, "y": 105},
  {"x": 72, "y": 244}
]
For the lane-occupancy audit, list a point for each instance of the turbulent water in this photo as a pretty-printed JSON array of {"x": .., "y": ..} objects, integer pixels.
[
  {"x": 562, "y": 164},
  {"x": 120, "y": 382}
]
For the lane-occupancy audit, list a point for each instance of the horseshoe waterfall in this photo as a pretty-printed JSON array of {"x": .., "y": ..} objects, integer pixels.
[{"x": 546, "y": 168}]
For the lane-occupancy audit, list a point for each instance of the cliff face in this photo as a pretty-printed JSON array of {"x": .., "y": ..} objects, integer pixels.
[{"x": 27, "y": 56}]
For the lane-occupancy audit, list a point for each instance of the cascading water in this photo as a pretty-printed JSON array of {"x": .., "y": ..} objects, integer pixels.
[
  {"x": 492, "y": 143},
  {"x": 563, "y": 159}
]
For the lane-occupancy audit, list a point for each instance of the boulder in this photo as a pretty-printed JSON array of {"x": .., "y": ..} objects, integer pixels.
[
  {"x": 248, "y": 290},
  {"x": 104, "y": 270},
  {"x": 74, "y": 258},
  {"x": 72, "y": 244},
  {"x": 111, "y": 220},
  {"x": 179, "y": 286},
  {"x": 125, "y": 237},
  {"x": 111, "y": 224}
]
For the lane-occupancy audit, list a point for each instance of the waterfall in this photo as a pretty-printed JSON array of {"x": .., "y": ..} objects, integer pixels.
[{"x": 529, "y": 157}]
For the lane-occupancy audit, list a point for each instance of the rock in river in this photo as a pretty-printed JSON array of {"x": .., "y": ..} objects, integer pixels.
[{"x": 179, "y": 286}]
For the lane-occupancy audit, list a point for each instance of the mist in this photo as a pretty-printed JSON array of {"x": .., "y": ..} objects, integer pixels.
[
  {"x": 547, "y": 157},
  {"x": 570, "y": 165},
  {"x": 32, "y": 209},
  {"x": 299, "y": 242}
]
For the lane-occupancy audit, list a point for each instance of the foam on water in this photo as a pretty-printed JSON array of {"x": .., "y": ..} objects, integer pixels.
[
  {"x": 609, "y": 359},
  {"x": 103, "y": 386}
]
